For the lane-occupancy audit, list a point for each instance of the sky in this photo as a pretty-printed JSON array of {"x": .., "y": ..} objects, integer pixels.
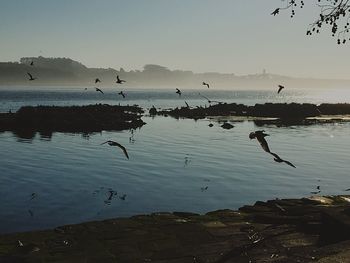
[{"x": 229, "y": 36}]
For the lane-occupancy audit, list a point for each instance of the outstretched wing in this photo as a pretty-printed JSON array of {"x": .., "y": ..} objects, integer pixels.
[
  {"x": 263, "y": 144},
  {"x": 30, "y": 75},
  {"x": 280, "y": 87},
  {"x": 275, "y": 155},
  {"x": 289, "y": 163},
  {"x": 123, "y": 149},
  {"x": 104, "y": 142},
  {"x": 275, "y": 12},
  {"x": 97, "y": 89},
  {"x": 187, "y": 104}
]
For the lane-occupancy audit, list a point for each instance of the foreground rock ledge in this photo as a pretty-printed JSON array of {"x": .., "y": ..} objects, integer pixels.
[
  {"x": 289, "y": 230},
  {"x": 91, "y": 118}
]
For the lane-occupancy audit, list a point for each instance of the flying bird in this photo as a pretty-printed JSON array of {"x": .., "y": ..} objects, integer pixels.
[
  {"x": 205, "y": 84},
  {"x": 280, "y": 87},
  {"x": 280, "y": 160},
  {"x": 122, "y": 94},
  {"x": 113, "y": 143},
  {"x": 178, "y": 92},
  {"x": 30, "y": 76},
  {"x": 119, "y": 81},
  {"x": 32, "y": 196},
  {"x": 123, "y": 197},
  {"x": 260, "y": 136},
  {"x": 209, "y": 101},
  {"x": 97, "y": 80},
  {"x": 276, "y": 12},
  {"x": 97, "y": 89}
]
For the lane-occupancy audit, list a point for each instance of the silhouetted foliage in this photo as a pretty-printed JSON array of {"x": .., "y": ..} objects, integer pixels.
[{"x": 334, "y": 14}]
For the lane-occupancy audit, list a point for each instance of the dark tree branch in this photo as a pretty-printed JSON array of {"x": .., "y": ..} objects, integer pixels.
[{"x": 334, "y": 14}]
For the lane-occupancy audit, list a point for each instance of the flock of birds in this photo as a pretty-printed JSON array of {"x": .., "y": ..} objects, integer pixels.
[{"x": 259, "y": 135}]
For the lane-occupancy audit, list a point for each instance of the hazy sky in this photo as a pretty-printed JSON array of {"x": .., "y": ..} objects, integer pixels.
[{"x": 238, "y": 36}]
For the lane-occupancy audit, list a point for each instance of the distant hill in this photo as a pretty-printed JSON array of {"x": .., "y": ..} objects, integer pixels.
[{"x": 65, "y": 71}]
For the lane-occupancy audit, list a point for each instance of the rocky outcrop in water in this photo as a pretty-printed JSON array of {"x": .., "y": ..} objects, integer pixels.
[
  {"x": 91, "y": 118},
  {"x": 275, "y": 110}
]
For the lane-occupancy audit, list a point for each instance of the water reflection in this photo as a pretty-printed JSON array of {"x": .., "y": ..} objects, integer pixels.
[{"x": 174, "y": 166}]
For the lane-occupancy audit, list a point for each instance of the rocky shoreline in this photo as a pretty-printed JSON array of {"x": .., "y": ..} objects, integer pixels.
[{"x": 315, "y": 229}]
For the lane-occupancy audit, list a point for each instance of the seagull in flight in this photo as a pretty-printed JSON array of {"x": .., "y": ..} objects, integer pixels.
[
  {"x": 280, "y": 87},
  {"x": 209, "y": 101},
  {"x": 280, "y": 160},
  {"x": 114, "y": 143},
  {"x": 178, "y": 92},
  {"x": 119, "y": 81},
  {"x": 122, "y": 94},
  {"x": 205, "y": 84},
  {"x": 260, "y": 136},
  {"x": 97, "y": 89},
  {"x": 123, "y": 197},
  {"x": 32, "y": 196},
  {"x": 276, "y": 12},
  {"x": 97, "y": 80},
  {"x": 30, "y": 76}
]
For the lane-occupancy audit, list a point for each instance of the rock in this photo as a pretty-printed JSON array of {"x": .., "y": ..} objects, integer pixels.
[
  {"x": 227, "y": 126},
  {"x": 153, "y": 111},
  {"x": 92, "y": 118}
]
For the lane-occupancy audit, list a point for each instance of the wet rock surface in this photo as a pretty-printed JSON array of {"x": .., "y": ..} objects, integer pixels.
[
  {"x": 91, "y": 118},
  {"x": 289, "y": 230}
]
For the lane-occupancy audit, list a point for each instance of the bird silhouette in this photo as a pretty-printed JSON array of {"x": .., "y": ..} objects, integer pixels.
[
  {"x": 122, "y": 94},
  {"x": 205, "y": 84},
  {"x": 30, "y": 76},
  {"x": 280, "y": 87},
  {"x": 32, "y": 63},
  {"x": 32, "y": 196},
  {"x": 99, "y": 90},
  {"x": 280, "y": 160},
  {"x": 209, "y": 101},
  {"x": 114, "y": 143},
  {"x": 119, "y": 81},
  {"x": 275, "y": 12},
  {"x": 97, "y": 80},
  {"x": 260, "y": 136},
  {"x": 178, "y": 92}
]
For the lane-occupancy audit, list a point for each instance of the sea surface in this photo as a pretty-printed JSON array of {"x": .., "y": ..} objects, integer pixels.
[{"x": 174, "y": 165}]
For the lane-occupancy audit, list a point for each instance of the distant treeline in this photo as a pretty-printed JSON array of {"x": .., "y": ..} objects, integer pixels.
[{"x": 65, "y": 71}]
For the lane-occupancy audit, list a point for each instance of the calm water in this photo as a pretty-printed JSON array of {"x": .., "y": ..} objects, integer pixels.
[{"x": 171, "y": 163}]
